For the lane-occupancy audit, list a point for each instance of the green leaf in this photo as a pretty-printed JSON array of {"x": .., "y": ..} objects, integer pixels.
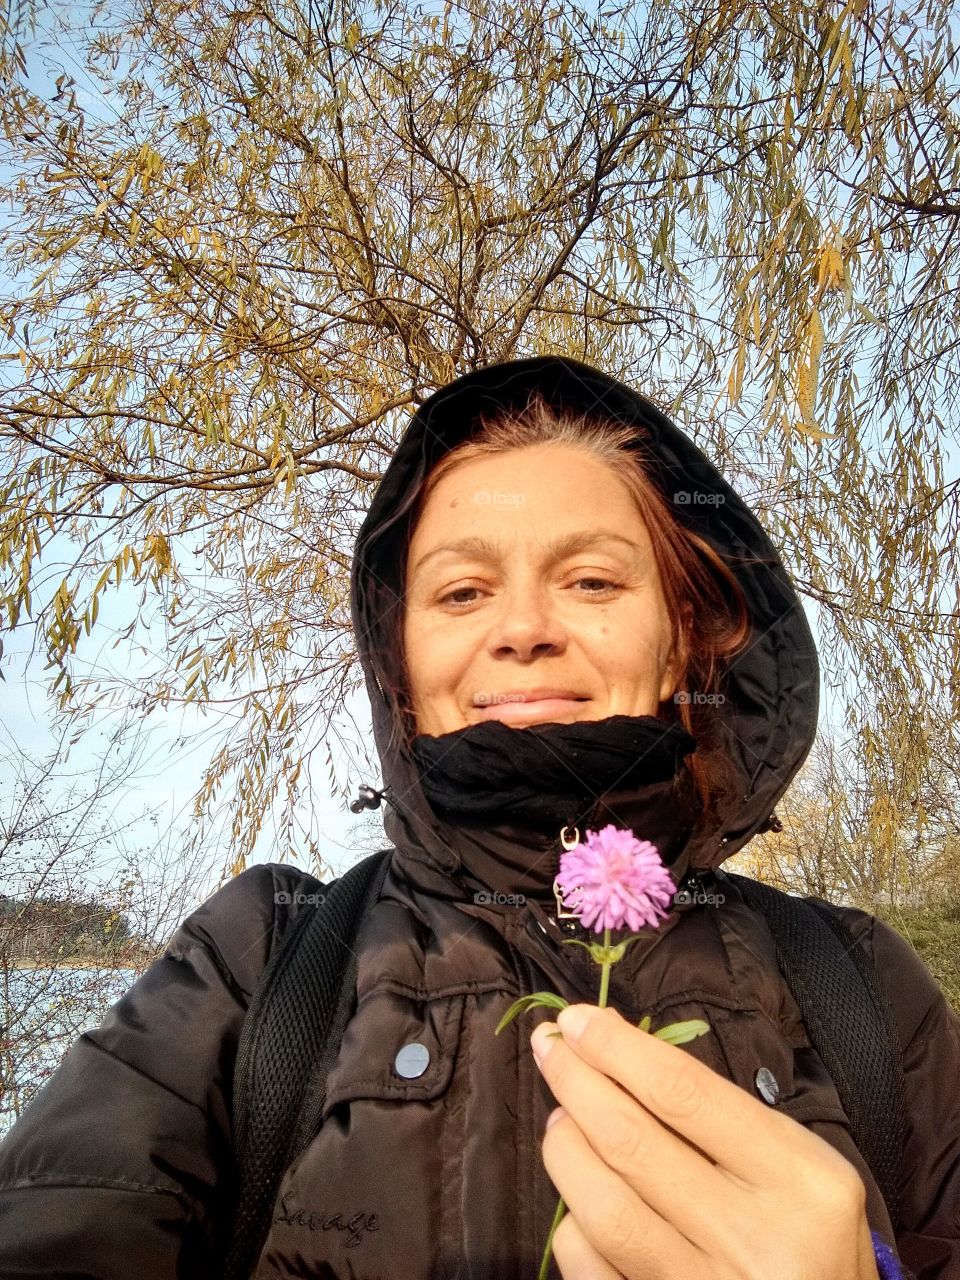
[
  {"x": 681, "y": 1032},
  {"x": 602, "y": 954},
  {"x": 539, "y": 999}
]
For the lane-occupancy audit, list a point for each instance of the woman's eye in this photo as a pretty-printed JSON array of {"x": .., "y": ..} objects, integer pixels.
[
  {"x": 591, "y": 586},
  {"x": 451, "y": 596}
]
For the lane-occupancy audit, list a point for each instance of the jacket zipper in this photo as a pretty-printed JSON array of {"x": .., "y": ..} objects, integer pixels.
[
  {"x": 566, "y": 925},
  {"x": 568, "y": 835}
]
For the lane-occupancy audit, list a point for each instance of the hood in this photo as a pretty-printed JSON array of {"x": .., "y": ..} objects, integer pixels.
[{"x": 769, "y": 718}]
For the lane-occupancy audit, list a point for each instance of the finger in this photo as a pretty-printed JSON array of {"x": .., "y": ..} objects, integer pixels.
[
  {"x": 694, "y": 1100},
  {"x": 671, "y": 1177},
  {"x": 624, "y": 1231},
  {"x": 576, "y": 1257}
]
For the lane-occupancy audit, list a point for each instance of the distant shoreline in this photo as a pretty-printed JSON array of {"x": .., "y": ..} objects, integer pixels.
[{"x": 89, "y": 962}]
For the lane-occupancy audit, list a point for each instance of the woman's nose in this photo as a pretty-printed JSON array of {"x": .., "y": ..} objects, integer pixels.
[{"x": 527, "y": 626}]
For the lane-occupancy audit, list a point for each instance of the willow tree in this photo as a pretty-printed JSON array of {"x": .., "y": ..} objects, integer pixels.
[
  {"x": 883, "y": 848},
  {"x": 275, "y": 228},
  {"x": 892, "y": 850}
]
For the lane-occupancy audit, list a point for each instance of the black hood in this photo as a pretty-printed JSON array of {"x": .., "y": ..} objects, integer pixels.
[{"x": 769, "y": 718}]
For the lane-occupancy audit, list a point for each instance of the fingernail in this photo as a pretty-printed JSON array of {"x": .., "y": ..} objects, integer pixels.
[
  {"x": 574, "y": 1019},
  {"x": 554, "y": 1116},
  {"x": 541, "y": 1041}
]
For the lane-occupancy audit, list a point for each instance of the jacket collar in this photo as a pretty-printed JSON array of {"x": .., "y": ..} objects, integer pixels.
[{"x": 507, "y": 863}]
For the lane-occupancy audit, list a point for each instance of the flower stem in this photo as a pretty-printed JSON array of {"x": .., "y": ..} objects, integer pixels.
[
  {"x": 545, "y": 1260},
  {"x": 605, "y": 972},
  {"x": 604, "y": 989}
]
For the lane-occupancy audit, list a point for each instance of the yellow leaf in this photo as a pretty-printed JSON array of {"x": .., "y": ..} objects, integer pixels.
[
  {"x": 814, "y": 432},
  {"x": 806, "y": 391},
  {"x": 815, "y": 336},
  {"x": 831, "y": 271},
  {"x": 735, "y": 381},
  {"x": 158, "y": 549}
]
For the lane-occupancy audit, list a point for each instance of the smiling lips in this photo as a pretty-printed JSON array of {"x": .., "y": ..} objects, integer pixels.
[{"x": 524, "y": 706}]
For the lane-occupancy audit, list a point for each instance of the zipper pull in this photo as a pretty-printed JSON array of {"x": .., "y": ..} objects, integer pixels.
[{"x": 568, "y": 842}]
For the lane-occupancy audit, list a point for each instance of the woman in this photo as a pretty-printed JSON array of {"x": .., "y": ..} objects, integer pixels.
[{"x": 566, "y": 618}]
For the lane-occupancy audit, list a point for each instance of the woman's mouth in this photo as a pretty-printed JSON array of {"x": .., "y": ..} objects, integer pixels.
[{"x": 527, "y": 708}]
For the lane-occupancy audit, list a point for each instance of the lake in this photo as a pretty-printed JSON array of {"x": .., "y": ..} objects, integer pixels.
[{"x": 42, "y": 1012}]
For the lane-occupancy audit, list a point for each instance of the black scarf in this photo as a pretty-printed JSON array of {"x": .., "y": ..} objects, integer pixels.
[{"x": 510, "y": 791}]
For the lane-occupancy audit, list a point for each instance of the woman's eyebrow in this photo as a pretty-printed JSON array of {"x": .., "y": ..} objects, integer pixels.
[{"x": 482, "y": 549}]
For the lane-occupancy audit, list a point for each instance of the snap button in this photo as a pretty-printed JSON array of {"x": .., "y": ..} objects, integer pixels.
[
  {"x": 412, "y": 1061},
  {"x": 767, "y": 1086}
]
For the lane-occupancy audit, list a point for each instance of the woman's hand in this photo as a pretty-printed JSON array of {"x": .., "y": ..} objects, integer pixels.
[{"x": 681, "y": 1174}]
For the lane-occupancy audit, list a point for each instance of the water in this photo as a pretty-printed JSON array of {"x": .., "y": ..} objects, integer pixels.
[{"x": 42, "y": 1012}]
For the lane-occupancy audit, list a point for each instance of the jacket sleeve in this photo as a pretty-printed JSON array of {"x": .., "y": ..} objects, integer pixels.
[
  {"x": 122, "y": 1165},
  {"x": 928, "y": 1239}
]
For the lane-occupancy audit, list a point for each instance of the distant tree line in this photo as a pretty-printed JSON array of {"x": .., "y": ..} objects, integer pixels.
[
  {"x": 48, "y": 930},
  {"x": 891, "y": 850}
]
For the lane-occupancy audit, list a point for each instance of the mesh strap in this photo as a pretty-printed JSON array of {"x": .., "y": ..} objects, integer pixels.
[
  {"x": 849, "y": 1020},
  {"x": 292, "y": 1033}
]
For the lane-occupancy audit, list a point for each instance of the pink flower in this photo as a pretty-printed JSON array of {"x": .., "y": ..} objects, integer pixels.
[{"x": 612, "y": 879}]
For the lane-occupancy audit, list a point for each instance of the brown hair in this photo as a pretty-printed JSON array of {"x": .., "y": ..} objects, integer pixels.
[{"x": 704, "y": 638}]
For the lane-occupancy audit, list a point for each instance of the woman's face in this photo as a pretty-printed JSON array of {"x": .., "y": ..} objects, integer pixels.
[{"x": 533, "y": 595}]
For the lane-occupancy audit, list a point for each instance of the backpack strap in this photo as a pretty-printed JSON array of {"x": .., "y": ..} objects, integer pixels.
[
  {"x": 291, "y": 1035},
  {"x": 848, "y": 1017}
]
